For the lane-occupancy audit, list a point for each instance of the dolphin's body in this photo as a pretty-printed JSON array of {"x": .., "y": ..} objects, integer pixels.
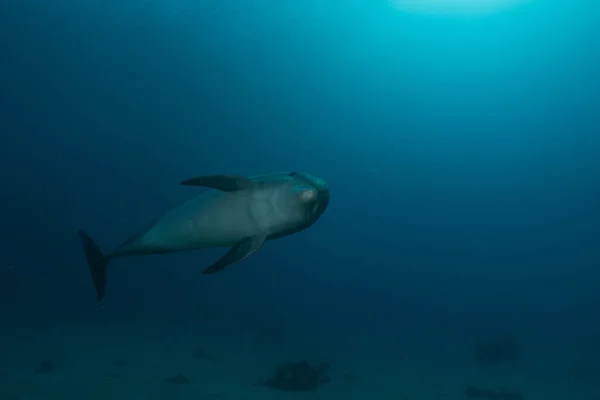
[{"x": 237, "y": 212}]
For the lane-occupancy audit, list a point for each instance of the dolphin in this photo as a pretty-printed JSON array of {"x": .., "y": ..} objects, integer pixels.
[{"x": 237, "y": 212}]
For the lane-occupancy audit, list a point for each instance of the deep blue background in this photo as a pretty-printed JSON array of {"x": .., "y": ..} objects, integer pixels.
[{"x": 462, "y": 154}]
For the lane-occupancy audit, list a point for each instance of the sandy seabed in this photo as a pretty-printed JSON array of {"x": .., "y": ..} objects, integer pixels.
[{"x": 131, "y": 361}]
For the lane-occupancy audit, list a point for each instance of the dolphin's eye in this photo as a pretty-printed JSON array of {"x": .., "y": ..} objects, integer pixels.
[{"x": 308, "y": 195}]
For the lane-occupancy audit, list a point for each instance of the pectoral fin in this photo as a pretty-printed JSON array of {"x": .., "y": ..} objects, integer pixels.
[
  {"x": 225, "y": 183},
  {"x": 237, "y": 253}
]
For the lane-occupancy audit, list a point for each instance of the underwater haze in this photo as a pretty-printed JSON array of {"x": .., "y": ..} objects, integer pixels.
[{"x": 458, "y": 257}]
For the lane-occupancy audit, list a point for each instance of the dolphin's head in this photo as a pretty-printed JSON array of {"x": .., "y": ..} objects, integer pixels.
[
  {"x": 313, "y": 194},
  {"x": 304, "y": 204}
]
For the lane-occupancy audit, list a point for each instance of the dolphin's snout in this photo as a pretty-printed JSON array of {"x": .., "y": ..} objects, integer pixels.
[{"x": 322, "y": 202}]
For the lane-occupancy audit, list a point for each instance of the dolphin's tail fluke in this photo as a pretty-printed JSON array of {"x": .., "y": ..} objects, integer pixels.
[{"x": 97, "y": 263}]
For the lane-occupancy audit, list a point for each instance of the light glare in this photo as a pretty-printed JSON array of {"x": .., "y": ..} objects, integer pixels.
[{"x": 455, "y": 6}]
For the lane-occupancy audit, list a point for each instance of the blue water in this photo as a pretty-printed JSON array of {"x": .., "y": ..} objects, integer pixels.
[{"x": 462, "y": 154}]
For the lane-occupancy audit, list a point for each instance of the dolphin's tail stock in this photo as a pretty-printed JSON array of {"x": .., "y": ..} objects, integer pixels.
[{"x": 97, "y": 263}]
